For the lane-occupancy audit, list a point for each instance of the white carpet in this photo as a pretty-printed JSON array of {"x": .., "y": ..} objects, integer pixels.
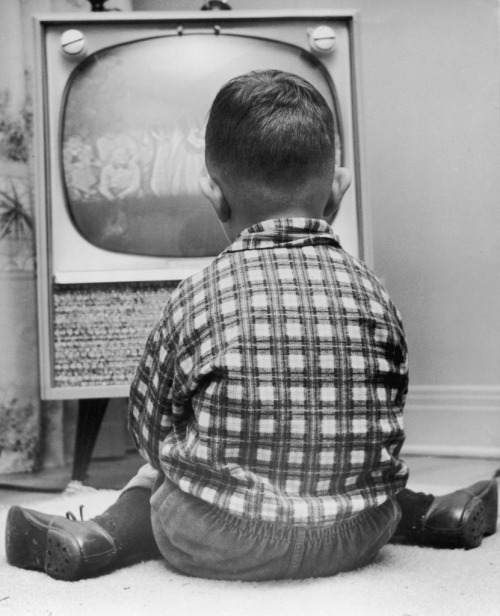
[{"x": 403, "y": 581}]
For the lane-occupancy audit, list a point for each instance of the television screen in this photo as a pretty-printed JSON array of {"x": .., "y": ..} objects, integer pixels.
[
  {"x": 121, "y": 129},
  {"x": 132, "y": 130}
]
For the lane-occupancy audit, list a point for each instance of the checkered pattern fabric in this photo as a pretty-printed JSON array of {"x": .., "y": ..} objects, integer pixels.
[{"x": 274, "y": 383}]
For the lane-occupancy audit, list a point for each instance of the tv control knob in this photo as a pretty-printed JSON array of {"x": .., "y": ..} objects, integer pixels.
[
  {"x": 73, "y": 43},
  {"x": 322, "y": 39}
]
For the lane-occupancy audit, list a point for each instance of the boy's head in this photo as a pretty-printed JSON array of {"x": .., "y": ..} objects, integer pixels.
[{"x": 270, "y": 151}]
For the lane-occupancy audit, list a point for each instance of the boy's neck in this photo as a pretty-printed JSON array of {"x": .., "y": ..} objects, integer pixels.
[
  {"x": 241, "y": 203},
  {"x": 241, "y": 219},
  {"x": 251, "y": 205}
]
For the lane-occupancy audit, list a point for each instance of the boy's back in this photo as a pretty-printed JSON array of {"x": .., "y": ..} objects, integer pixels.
[{"x": 285, "y": 366}]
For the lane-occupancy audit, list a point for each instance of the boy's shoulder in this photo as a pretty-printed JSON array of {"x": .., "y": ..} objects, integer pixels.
[
  {"x": 225, "y": 264},
  {"x": 369, "y": 285},
  {"x": 201, "y": 280},
  {"x": 194, "y": 290},
  {"x": 220, "y": 276}
]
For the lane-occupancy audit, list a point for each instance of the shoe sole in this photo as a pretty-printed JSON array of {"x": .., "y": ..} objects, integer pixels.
[
  {"x": 33, "y": 546},
  {"x": 490, "y": 500},
  {"x": 473, "y": 527},
  {"x": 480, "y": 518},
  {"x": 25, "y": 543}
]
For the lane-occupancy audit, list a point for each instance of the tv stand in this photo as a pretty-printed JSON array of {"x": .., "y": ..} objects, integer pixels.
[{"x": 91, "y": 412}]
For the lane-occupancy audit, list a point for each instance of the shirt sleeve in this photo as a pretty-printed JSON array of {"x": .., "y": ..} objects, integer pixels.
[{"x": 150, "y": 402}]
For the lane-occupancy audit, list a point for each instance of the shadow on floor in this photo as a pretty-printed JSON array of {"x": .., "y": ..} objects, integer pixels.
[{"x": 104, "y": 474}]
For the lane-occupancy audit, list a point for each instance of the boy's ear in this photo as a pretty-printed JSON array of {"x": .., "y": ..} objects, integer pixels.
[
  {"x": 213, "y": 193},
  {"x": 341, "y": 181}
]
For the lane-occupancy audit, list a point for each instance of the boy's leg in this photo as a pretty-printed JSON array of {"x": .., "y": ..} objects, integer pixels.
[
  {"x": 69, "y": 549},
  {"x": 456, "y": 520},
  {"x": 128, "y": 523}
]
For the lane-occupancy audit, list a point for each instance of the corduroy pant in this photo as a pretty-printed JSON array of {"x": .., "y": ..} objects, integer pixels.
[{"x": 198, "y": 539}]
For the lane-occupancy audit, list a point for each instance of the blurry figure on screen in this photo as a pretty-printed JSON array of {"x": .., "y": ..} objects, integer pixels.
[
  {"x": 79, "y": 164},
  {"x": 268, "y": 403},
  {"x": 121, "y": 177},
  {"x": 164, "y": 147},
  {"x": 189, "y": 156},
  {"x": 179, "y": 158}
]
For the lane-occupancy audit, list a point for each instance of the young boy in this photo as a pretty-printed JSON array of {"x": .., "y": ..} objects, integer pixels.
[{"x": 268, "y": 403}]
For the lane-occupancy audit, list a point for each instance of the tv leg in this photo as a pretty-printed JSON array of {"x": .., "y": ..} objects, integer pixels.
[{"x": 90, "y": 415}]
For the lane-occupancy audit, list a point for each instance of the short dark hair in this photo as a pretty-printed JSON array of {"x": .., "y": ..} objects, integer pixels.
[{"x": 269, "y": 124}]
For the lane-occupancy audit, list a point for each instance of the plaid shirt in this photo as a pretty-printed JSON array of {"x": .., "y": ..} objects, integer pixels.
[{"x": 274, "y": 383}]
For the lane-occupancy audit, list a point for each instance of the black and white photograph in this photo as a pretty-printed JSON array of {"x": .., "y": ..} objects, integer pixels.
[{"x": 249, "y": 299}]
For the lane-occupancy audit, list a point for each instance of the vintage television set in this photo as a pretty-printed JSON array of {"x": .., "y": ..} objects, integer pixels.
[{"x": 122, "y": 99}]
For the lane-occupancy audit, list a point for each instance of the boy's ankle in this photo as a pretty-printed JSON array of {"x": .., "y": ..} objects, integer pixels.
[{"x": 128, "y": 522}]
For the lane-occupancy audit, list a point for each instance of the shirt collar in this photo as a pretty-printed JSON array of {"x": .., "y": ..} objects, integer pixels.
[{"x": 285, "y": 233}]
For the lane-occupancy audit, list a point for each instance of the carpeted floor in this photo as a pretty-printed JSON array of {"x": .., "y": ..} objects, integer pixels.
[{"x": 403, "y": 581}]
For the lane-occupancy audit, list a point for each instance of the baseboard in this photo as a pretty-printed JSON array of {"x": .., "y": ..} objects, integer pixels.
[{"x": 458, "y": 421}]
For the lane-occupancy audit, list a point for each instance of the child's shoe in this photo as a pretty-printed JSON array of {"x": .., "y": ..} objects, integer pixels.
[
  {"x": 461, "y": 519},
  {"x": 63, "y": 547}
]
